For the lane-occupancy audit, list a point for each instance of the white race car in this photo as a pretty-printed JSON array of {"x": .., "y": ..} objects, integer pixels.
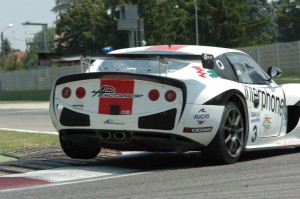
[{"x": 175, "y": 98}]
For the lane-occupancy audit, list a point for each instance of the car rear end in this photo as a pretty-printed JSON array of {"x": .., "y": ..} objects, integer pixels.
[{"x": 120, "y": 111}]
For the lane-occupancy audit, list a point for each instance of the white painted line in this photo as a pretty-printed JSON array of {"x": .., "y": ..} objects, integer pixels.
[
  {"x": 28, "y": 105},
  {"x": 27, "y": 131},
  {"x": 73, "y": 173}
]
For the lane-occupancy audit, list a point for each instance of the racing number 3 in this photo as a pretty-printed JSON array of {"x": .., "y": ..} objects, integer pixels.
[{"x": 255, "y": 134}]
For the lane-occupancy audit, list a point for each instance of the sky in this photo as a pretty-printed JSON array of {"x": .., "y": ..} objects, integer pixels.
[{"x": 17, "y": 12}]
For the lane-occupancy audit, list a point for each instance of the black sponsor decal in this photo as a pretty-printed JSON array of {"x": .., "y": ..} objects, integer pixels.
[
  {"x": 265, "y": 100},
  {"x": 110, "y": 92},
  {"x": 197, "y": 130},
  {"x": 254, "y": 134},
  {"x": 110, "y": 121}
]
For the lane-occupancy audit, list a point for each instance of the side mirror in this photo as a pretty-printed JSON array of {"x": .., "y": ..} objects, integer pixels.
[{"x": 274, "y": 72}]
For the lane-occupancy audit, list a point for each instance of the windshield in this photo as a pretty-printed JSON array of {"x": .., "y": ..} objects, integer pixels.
[{"x": 143, "y": 66}]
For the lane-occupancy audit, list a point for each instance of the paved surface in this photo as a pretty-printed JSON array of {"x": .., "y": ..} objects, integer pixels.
[
  {"x": 32, "y": 117},
  {"x": 273, "y": 174},
  {"x": 48, "y": 173}
]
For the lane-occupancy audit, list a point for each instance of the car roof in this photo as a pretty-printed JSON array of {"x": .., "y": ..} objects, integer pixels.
[{"x": 175, "y": 49}]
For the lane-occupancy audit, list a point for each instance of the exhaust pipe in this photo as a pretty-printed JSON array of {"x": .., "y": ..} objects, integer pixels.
[
  {"x": 120, "y": 136},
  {"x": 105, "y": 136}
]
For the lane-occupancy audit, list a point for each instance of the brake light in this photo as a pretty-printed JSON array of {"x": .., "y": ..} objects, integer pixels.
[
  {"x": 66, "y": 92},
  {"x": 80, "y": 92},
  {"x": 170, "y": 95},
  {"x": 153, "y": 95}
]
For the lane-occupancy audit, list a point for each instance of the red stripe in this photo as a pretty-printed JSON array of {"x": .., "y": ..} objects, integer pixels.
[
  {"x": 14, "y": 182},
  {"x": 166, "y": 47},
  {"x": 121, "y": 86}
]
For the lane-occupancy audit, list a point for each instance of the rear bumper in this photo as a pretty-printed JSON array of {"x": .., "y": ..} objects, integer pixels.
[{"x": 132, "y": 140}]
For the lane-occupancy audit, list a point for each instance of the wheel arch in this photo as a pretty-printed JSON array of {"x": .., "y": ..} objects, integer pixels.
[{"x": 239, "y": 99}]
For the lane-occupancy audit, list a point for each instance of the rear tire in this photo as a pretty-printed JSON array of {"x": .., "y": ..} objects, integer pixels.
[
  {"x": 228, "y": 143},
  {"x": 76, "y": 151}
]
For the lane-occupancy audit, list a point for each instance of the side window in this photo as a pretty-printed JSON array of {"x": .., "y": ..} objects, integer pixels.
[
  {"x": 247, "y": 70},
  {"x": 224, "y": 69}
]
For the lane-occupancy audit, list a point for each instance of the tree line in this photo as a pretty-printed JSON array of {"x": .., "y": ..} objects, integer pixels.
[{"x": 89, "y": 25}]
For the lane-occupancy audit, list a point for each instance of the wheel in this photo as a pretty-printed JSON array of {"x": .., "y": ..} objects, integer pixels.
[
  {"x": 228, "y": 143},
  {"x": 78, "y": 152}
]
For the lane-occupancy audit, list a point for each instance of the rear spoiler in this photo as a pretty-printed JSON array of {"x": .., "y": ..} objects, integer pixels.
[{"x": 206, "y": 59}]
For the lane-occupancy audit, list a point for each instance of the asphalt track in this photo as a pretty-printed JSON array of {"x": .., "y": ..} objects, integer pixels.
[
  {"x": 268, "y": 174},
  {"x": 32, "y": 117}
]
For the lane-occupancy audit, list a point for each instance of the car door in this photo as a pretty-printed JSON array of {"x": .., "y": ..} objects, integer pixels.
[{"x": 265, "y": 99}]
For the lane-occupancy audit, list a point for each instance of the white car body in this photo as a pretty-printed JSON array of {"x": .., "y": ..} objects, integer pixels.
[{"x": 109, "y": 106}]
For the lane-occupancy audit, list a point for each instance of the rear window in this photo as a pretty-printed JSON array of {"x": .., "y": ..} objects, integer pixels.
[{"x": 143, "y": 66}]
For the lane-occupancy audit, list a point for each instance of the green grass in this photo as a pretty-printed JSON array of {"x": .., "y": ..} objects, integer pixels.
[
  {"x": 18, "y": 102},
  {"x": 10, "y": 141},
  {"x": 288, "y": 77},
  {"x": 287, "y": 80}
]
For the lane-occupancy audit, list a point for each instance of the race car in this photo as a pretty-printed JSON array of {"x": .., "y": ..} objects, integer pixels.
[{"x": 175, "y": 98}]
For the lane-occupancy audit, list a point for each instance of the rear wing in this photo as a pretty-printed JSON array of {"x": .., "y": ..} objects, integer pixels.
[{"x": 206, "y": 59}]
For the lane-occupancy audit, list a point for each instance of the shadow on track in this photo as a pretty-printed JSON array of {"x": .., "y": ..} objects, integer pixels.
[
  {"x": 144, "y": 161},
  {"x": 164, "y": 161}
]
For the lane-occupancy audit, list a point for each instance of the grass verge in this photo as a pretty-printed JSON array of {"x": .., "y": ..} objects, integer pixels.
[
  {"x": 10, "y": 141},
  {"x": 288, "y": 77},
  {"x": 19, "y": 102}
]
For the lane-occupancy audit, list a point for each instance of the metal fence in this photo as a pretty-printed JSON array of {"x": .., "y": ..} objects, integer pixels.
[
  {"x": 39, "y": 79},
  {"x": 283, "y": 55}
]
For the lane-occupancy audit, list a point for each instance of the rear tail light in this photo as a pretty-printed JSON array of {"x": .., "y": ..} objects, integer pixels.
[
  {"x": 80, "y": 92},
  {"x": 66, "y": 92},
  {"x": 153, "y": 95},
  {"x": 170, "y": 95}
]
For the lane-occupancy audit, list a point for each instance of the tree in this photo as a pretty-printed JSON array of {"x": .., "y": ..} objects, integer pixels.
[
  {"x": 7, "y": 46},
  {"x": 86, "y": 28},
  {"x": 61, "y": 6},
  {"x": 288, "y": 20},
  {"x": 167, "y": 21},
  {"x": 227, "y": 23},
  {"x": 261, "y": 27}
]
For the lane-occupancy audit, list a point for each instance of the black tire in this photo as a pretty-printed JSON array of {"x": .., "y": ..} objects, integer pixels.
[
  {"x": 78, "y": 152},
  {"x": 228, "y": 143}
]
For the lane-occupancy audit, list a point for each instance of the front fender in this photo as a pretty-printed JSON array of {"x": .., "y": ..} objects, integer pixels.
[{"x": 292, "y": 95}]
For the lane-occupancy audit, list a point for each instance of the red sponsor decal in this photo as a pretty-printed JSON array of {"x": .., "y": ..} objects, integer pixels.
[
  {"x": 166, "y": 47},
  {"x": 200, "y": 71},
  {"x": 116, "y": 93}
]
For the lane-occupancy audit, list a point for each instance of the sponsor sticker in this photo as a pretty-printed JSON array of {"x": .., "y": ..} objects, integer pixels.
[
  {"x": 220, "y": 64},
  {"x": 205, "y": 73},
  {"x": 197, "y": 130},
  {"x": 264, "y": 100},
  {"x": 116, "y": 96},
  {"x": 107, "y": 91},
  {"x": 267, "y": 122},
  {"x": 110, "y": 121},
  {"x": 288, "y": 142},
  {"x": 202, "y": 116},
  {"x": 255, "y": 117}
]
